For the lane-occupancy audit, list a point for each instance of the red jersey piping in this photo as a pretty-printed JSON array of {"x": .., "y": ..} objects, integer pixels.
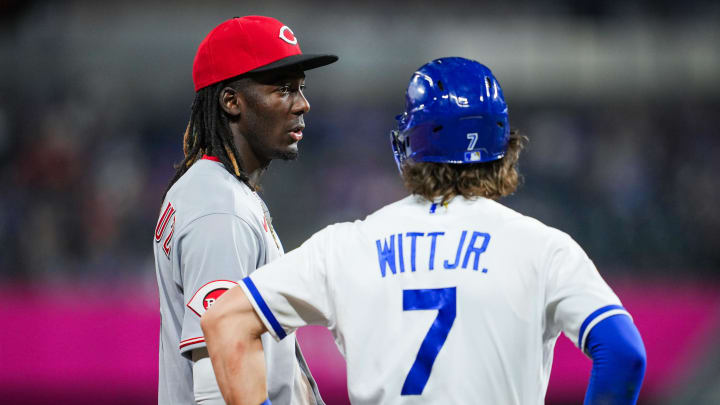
[{"x": 191, "y": 341}]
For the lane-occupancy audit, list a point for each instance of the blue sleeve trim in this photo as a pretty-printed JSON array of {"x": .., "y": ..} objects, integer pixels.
[
  {"x": 264, "y": 308},
  {"x": 266, "y": 402},
  {"x": 590, "y": 318}
]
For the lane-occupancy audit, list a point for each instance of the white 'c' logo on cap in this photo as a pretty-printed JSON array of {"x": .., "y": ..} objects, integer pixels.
[{"x": 284, "y": 37}]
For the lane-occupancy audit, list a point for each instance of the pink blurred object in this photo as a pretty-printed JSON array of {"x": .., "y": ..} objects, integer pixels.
[
  {"x": 91, "y": 343},
  {"x": 326, "y": 363},
  {"x": 70, "y": 344}
]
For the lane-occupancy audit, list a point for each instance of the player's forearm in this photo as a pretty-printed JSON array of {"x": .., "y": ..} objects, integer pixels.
[
  {"x": 619, "y": 360},
  {"x": 232, "y": 335},
  {"x": 238, "y": 371}
]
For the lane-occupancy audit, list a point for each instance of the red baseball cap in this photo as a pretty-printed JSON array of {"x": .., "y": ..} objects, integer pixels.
[{"x": 250, "y": 44}]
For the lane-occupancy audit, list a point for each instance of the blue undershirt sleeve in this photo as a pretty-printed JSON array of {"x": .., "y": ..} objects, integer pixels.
[{"x": 618, "y": 357}]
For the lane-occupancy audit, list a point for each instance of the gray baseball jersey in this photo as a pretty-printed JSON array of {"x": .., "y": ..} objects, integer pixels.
[{"x": 214, "y": 230}]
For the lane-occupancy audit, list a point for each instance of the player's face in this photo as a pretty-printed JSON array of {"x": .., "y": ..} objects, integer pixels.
[{"x": 272, "y": 119}]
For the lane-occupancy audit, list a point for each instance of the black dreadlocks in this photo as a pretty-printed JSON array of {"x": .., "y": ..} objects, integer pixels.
[{"x": 208, "y": 132}]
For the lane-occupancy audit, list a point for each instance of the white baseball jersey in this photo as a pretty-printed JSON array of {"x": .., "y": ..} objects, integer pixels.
[
  {"x": 212, "y": 231},
  {"x": 456, "y": 304}
]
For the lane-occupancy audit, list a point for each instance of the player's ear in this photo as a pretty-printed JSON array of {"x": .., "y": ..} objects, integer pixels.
[{"x": 231, "y": 101}]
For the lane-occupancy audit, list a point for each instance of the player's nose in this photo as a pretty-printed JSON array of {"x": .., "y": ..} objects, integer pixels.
[{"x": 302, "y": 105}]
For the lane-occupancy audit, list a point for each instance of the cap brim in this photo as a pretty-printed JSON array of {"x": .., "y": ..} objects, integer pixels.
[{"x": 305, "y": 61}]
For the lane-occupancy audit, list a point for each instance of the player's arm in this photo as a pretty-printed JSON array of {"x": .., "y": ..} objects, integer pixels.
[
  {"x": 585, "y": 308},
  {"x": 278, "y": 298},
  {"x": 232, "y": 332},
  {"x": 216, "y": 249},
  {"x": 618, "y": 355}
]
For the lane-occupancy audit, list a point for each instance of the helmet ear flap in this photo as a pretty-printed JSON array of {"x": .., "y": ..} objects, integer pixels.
[
  {"x": 399, "y": 148},
  {"x": 400, "y": 141}
]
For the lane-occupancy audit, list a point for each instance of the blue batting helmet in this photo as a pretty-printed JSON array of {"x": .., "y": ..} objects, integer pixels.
[{"x": 455, "y": 112}]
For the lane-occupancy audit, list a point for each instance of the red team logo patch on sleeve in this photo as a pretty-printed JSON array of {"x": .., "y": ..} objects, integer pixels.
[
  {"x": 212, "y": 296},
  {"x": 208, "y": 294}
]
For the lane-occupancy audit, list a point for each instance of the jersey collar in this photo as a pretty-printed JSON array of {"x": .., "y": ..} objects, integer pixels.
[{"x": 213, "y": 158}]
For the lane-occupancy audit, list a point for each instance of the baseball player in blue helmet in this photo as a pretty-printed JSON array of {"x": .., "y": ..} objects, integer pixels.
[
  {"x": 445, "y": 296},
  {"x": 447, "y": 97}
]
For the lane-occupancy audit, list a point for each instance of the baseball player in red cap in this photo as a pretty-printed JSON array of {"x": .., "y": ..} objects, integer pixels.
[{"x": 213, "y": 228}]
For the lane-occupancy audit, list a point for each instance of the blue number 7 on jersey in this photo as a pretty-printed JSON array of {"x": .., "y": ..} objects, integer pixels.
[{"x": 442, "y": 299}]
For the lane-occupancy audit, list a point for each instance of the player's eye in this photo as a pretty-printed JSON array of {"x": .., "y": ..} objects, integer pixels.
[{"x": 302, "y": 87}]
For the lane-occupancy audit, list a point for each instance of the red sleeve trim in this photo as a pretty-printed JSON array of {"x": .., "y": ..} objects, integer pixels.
[
  {"x": 191, "y": 341},
  {"x": 213, "y": 158}
]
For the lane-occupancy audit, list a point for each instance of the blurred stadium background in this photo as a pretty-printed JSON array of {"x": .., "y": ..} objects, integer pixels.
[{"x": 620, "y": 100}]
